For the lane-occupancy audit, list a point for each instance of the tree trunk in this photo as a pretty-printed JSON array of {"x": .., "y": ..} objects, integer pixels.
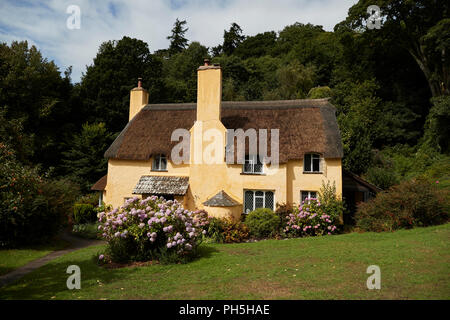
[{"x": 421, "y": 60}]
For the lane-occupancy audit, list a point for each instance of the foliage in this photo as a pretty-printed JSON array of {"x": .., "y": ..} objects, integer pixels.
[
  {"x": 437, "y": 129},
  {"x": 86, "y": 230},
  {"x": 32, "y": 208},
  {"x": 330, "y": 203},
  {"x": 232, "y": 38},
  {"x": 419, "y": 27},
  {"x": 84, "y": 161},
  {"x": 84, "y": 213},
  {"x": 35, "y": 103},
  {"x": 263, "y": 222},
  {"x": 104, "y": 91},
  {"x": 416, "y": 202},
  {"x": 226, "y": 230},
  {"x": 319, "y": 92},
  {"x": 177, "y": 40},
  {"x": 310, "y": 219},
  {"x": 152, "y": 228},
  {"x": 90, "y": 198}
]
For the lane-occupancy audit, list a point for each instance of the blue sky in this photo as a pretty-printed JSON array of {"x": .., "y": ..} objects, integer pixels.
[{"x": 43, "y": 23}]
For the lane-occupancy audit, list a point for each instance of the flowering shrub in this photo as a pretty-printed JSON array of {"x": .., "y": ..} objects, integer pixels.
[
  {"x": 413, "y": 203},
  {"x": 309, "y": 219},
  {"x": 33, "y": 208},
  {"x": 226, "y": 230},
  {"x": 152, "y": 228}
]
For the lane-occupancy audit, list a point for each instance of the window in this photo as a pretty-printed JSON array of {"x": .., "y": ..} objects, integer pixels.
[
  {"x": 159, "y": 163},
  {"x": 254, "y": 199},
  {"x": 252, "y": 164},
  {"x": 308, "y": 195},
  {"x": 311, "y": 163}
]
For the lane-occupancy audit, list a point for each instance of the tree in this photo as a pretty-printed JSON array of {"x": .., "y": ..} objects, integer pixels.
[
  {"x": 437, "y": 130},
  {"x": 232, "y": 38},
  {"x": 417, "y": 27},
  {"x": 180, "y": 73},
  {"x": 84, "y": 161},
  {"x": 256, "y": 46},
  {"x": 105, "y": 88},
  {"x": 35, "y": 96},
  {"x": 177, "y": 40}
]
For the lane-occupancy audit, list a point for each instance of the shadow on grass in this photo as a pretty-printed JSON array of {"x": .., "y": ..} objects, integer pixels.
[{"x": 205, "y": 251}]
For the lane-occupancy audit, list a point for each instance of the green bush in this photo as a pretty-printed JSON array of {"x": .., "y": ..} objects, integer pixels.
[
  {"x": 84, "y": 213},
  {"x": 330, "y": 203},
  {"x": 32, "y": 208},
  {"x": 381, "y": 177},
  {"x": 226, "y": 230},
  {"x": 90, "y": 198},
  {"x": 412, "y": 203},
  {"x": 263, "y": 222},
  {"x": 86, "y": 230}
]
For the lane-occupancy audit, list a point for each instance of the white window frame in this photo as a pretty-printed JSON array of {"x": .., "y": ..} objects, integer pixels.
[
  {"x": 313, "y": 156},
  {"x": 252, "y": 160},
  {"x": 157, "y": 161},
  {"x": 309, "y": 195},
  {"x": 264, "y": 199}
]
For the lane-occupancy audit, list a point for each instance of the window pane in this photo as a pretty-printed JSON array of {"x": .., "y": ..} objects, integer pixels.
[
  {"x": 258, "y": 168},
  {"x": 304, "y": 195},
  {"x": 259, "y": 202},
  {"x": 269, "y": 200},
  {"x": 307, "y": 163},
  {"x": 248, "y": 167},
  {"x": 155, "y": 164},
  {"x": 312, "y": 194},
  {"x": 248, "y": 205},
  {"x": 316, "y": 163},
  {"x": 163, "y": 163}
]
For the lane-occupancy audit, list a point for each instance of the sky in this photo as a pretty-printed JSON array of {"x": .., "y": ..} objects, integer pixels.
[{"x": 45, "y": 23}]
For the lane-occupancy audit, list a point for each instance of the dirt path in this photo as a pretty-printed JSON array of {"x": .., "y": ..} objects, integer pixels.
[{"x": 75, "y": 243}]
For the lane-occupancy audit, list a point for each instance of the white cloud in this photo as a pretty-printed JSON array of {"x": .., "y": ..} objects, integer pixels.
[{"x": 43, "y": 23}]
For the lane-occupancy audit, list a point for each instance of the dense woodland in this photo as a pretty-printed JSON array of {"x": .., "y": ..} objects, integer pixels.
[{"x": 390, "y": 87}]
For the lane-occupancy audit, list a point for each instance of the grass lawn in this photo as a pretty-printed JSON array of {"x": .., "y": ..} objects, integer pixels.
[
  {"x": 11, "y": 259},
  {"x": 415, "y": 264}
]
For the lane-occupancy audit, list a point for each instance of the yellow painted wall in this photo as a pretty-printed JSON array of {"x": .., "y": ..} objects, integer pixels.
[
  {"x": 298, "y": 181},
  {"x": 123, "y": 175}
]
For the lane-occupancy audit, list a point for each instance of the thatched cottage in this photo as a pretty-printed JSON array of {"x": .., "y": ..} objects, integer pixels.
[{"x": 140, "y": 160}]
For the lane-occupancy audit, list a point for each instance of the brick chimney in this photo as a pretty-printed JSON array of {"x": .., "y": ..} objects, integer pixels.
[
  {"x": 209, "y": 91},
  {"x": 138, "y": 99}
]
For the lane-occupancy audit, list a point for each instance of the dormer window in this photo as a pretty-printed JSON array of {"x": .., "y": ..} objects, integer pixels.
[
  {"x": 252, "y": 165},
  {"x": 312, "y": 163},
  {"x": 159, "y": 163}
]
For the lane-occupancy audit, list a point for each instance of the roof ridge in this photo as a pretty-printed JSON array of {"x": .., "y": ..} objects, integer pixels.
[{"x": 260, "y": 104}]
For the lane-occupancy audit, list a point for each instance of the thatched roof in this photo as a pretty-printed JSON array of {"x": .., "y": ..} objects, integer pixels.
[
  {"x": 100, "y": 184},
  {"x": 221, "y": 199},
  {"x": 305, "y": 126},
  {"x": 161, "y": 185}
]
